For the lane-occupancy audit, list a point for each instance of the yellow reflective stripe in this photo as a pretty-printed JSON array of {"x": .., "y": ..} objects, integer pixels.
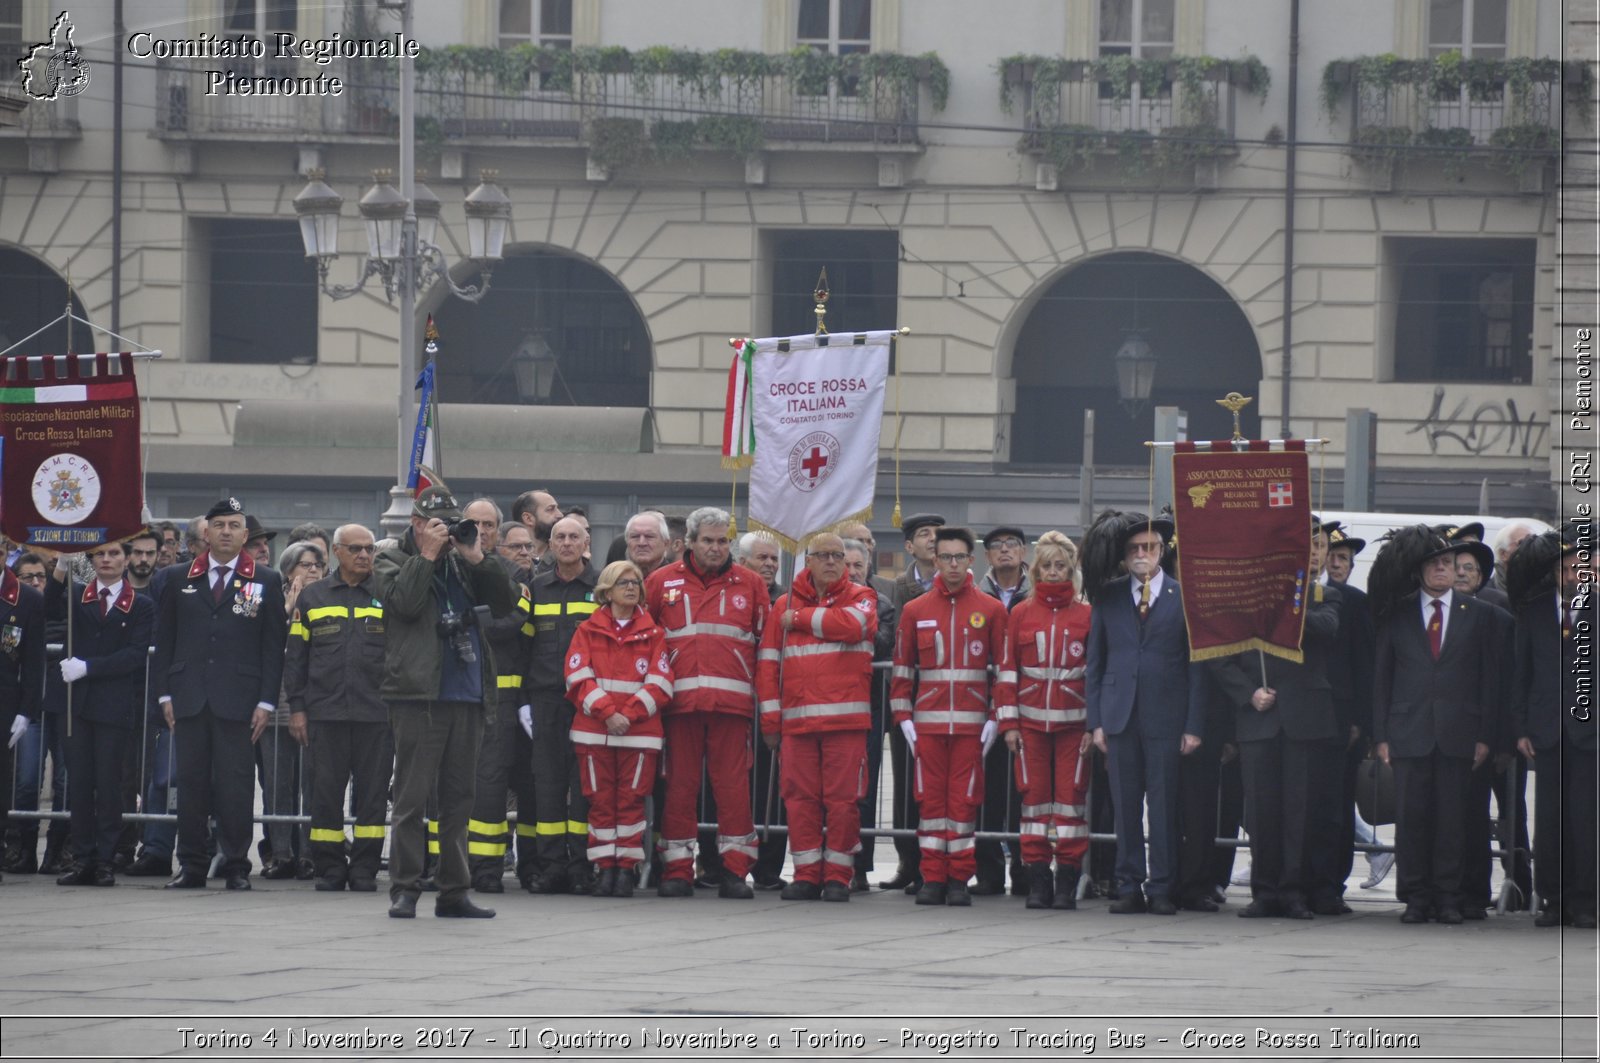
[
  {"x": 527, "y": 629},
  {"x": 377, "y": 831},
  {"x": 486, "y": 848},
  {"x": 369, "y": 610},
  {"x": 321, "y": 611},
  {"x": 298, "y": 630},
  {"x": 547, "y": 609},
  {"x": 322, "y": 834},
  {"x": 582, "y": 607},
  {"x": 558, "y": 827},
  {"x": 433, "y": 827},
  {"x": 577, "y": 827},
  {"x": 433, "y": 848},
  {"x": 524, "y": 603},
  {"x": 508, "y": 682},
  {"x": 478, "y": 826},
  {"x": 526, "y": 831}
]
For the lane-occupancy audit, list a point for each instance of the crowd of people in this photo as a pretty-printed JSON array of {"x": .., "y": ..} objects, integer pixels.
[{"x": 493, "y": 701}]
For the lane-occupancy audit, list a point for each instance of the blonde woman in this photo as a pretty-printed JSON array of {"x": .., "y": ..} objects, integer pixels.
[
  {"x": 619, "y": 679},
  {"x": 1042, "y": 716}
]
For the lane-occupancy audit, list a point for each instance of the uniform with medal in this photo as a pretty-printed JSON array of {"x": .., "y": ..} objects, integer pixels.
[{"x": 220, "y": 634}]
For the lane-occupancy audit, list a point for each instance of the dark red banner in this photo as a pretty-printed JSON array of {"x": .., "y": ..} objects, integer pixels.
[
  {"x": 1244, "y": 547},
  {"x": 69, "y": 450}
]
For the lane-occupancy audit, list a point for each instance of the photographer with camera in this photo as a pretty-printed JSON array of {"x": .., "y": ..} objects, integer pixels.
[{"x": 437, "y": 586}]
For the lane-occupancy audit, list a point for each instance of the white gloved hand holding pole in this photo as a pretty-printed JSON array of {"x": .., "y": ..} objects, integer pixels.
[
  {"x": 986, "y": 736},
  {"x": 19, "y": 727},
  {"x": 909, "y": 729},
  {"x": 73, "y": 669},
  {"x": 525, "y": 717}
]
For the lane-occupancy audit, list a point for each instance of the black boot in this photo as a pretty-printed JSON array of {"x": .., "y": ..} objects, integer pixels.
[
  {"x": 1039, "y": 886},
  {"x": 1066, "y": 887},
  {"x": 55, "y": 860}
]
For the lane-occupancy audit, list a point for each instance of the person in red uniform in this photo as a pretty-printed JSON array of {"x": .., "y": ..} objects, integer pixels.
[
  {"x": 1041, "y": 712},
  {"x": 814, "y": 676},
  {"x": 619, "y": 678},
  {"x": 941, "y": 695},
  {"x": 713, "y": 611}
]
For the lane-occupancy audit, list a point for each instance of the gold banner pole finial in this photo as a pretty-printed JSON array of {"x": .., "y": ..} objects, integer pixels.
[
  {"x": 1233, "y": 402},
  {"x": 821, "y": 295}
]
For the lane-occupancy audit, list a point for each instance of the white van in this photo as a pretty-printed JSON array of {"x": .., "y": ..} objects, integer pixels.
[{"x": 1372, "y": 526}]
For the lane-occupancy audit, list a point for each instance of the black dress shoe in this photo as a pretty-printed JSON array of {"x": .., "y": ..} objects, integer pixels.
[
  {"x": 278, "y": 870},
  {"x": 238, "y": 882},
  {"x": 859, "y": 883},
  {"x": 1330, "y": 906},
  {"x": 985, "y": 888},
  {"x": 1296, "y": 909},
  {"x": 1128, "y": 904},
  {"x": 1260, "y": 909},
  {"x": 1414, "y": 913},
  {"x": 82, "y": 875},
  {"x": 675, "y": 887},
  {"x": 1161, "y": 905},
  {"x": 462, "y": 908},
  {"x": 801, "y": 891},
  {"x": 121, "y": 859},
  {"x": 105, "y": 876},
  {"x": 903, "y": 877},
  {"x": 1450, "y": 915},
  {"x": 188, "y": 880},
  {"x": 149, "y": 865},
  {"x": 931, "y": 893},
  {"x": 835, "y": 891},
  {"x": 913, "y": 887},
  {"x": 1199, "y": 904},
  {"x": 361, "y": 884},
  {"x": 403, "y": 907},
  {"x": 770, "y": 882},
  {"x": 957, "y": 895}
]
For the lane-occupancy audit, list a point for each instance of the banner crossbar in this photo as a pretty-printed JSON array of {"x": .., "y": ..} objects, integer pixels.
[{"x": 1204, "y": 444}]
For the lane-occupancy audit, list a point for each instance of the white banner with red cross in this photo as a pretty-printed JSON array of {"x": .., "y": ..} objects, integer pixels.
[{"x": 815, "y": 405}]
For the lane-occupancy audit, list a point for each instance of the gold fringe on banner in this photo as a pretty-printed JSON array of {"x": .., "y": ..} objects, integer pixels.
[
  {"x": 794, "y": 546},
  {"x": 733, "y": 505},
  {"x": 1213, "y": 652},
  {"x": 743, "y": 461}
]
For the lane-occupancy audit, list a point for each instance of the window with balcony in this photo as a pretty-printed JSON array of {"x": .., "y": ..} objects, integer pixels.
[
  {"x": 836, "y": 27},
  {"x": 545, "y": 23},
  {"x": 258, "y": 20},
  {"x": 1139, "y": 29},
  {"x": 11, "y": 46},
  {"x": 1464, "y": 309},
  {"x": 1474, "y": 29},
  {"x": 263, "y": 299}
]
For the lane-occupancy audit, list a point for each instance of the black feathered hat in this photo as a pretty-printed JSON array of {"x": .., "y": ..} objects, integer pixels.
[
  {"x": 1395, "y": 570},
  {"x": 1531, "y": 570}
]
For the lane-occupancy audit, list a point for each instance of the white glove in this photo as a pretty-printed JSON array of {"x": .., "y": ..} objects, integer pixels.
[
  {"x": 19, "y": 727},
  {"x": 986, "y": 736},
  {"x": 73, "y": 669},
  {"x": 525, "y": 717},
  {"x": 909, "y": 729}
]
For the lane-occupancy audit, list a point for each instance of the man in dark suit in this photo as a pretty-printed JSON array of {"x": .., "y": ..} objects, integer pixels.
[
  {"x": 1555, "y": 730},
  {"x": 1288, "y": 754},
  {"x": 111, "y": 629},
  {"x": 21, "y": 669},
  {"x": 1146, "y": 709},
  {"x": 1434, "y": 718},
  {"x": 220, "y": 635}
]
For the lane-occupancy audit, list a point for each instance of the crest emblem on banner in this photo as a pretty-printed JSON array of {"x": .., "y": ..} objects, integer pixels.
[
  {"x": 66, "y": 488},
  {"x": 812, "y": 460}
]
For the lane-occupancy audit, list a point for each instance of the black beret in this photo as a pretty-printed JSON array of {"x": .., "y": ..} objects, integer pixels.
[{"x": 225, "y": 507}]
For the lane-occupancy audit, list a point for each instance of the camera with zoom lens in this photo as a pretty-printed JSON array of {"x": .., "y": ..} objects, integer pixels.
[
  {"x": 455, "y": 629},
  {"x": 464, "y": 532}
]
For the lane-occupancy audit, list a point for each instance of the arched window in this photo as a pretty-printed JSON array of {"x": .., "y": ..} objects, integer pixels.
[{"x": 32, "y": 293}]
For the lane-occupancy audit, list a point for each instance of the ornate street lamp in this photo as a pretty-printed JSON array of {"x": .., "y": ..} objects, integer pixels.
[{"x": 1136, "y": 373}]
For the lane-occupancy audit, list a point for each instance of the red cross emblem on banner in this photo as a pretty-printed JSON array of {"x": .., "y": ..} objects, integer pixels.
[
  {"x": 814, "y": 462},
  {"x": 1280, "y": 494}
]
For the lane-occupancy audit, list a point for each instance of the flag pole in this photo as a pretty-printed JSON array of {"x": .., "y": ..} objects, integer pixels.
[{"x": 430, "y": 348}]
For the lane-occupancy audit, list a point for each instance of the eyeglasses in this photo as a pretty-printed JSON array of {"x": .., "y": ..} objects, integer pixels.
[
  {"x": 827, "y": 555},
  {"x": 951, "y": 559},
  {"x": 309, "y": 562},
  {"x": 520, "y": 547},
  {"x": 1144, "y": 548},
  {"x": 360, "y": 548},
  {"x": 628, "y": 583},
  {"x": 1005, "y": 544},
  {"x": 37, "y": 577}
]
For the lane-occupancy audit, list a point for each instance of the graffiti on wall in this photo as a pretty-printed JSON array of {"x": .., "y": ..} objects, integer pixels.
[{"x": 1491, "y": 428}]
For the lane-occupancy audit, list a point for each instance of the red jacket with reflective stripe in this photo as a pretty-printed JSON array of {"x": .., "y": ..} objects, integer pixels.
[
  {"x": 826, "y": 660},
  {"x": 612, "y": 669},
  {"x": 713, "y": 623},
  {"x": 946, "y": 643},
  {"x": 1041, "y": 680}
]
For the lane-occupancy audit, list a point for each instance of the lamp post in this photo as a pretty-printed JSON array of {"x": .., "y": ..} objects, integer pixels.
[
  {"x": 1136, "y": 373},
  {"x": 400, "y": 227}
]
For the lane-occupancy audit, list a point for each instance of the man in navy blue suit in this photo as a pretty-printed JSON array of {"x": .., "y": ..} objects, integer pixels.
[
  {"x": 1146, "y": 709},
  {"x": 220, "y": 636}
]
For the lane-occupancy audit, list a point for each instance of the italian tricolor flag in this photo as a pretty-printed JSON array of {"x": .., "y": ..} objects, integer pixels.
[
  {"x": 26, "y": 396},
  {"x": 738, "y": 424}
]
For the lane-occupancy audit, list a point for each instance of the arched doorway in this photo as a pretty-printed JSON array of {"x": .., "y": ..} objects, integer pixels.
[
  {"x": 32, "y": 293},
  {"x": 554, "y": 330},
  {"x": 1064, "y": 358}
]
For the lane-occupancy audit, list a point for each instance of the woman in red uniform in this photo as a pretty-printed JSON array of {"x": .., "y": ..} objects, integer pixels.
[
  {"x": 619, "y": 678},
  {"x": 1041, "y": 713}
]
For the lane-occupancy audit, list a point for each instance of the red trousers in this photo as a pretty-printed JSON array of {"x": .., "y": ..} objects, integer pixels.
[
  {"x": 616, "y": 780},
  {"x": 949, "y": 791},
  {"x": 824, "y": 775},
  {"x": 721, "y": 742},
  {"x": 1053, "y": 779}
]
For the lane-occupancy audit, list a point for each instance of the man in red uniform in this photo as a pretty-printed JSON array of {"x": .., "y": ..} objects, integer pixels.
[
  {"x": 814, "y": 676},
  {"x": 949, "y": 640},
  {"x": 713, "y": 611}
]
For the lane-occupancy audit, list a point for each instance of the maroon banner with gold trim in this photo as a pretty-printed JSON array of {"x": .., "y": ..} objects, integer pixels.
[
  {"x": 1244, "y": 546},
  {"x": 69, "y": 450}
]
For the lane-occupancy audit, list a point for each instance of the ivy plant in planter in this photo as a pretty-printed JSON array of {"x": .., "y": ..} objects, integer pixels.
[{"x": 618, "y": 143}]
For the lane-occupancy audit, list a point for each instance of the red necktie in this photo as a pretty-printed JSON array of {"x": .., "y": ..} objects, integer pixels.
[
  {"x": 1566, "y": 621},
  {"x": 220, "y": 584},
  {"x": 105, "y": 601},
  {"x": 1436, "y": 629}
]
